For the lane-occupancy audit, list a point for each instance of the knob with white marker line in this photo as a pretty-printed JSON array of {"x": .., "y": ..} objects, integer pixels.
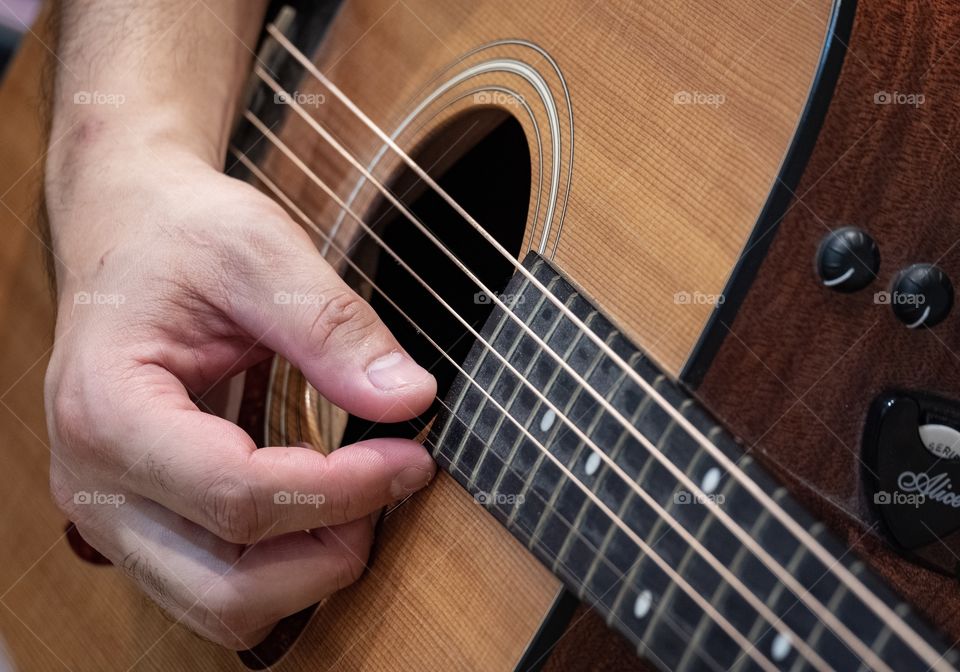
[
  {"x": 847, "y": 259},
  {"x": 921, "y": 296}
]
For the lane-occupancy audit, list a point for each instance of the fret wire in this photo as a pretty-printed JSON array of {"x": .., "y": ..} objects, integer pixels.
[
  {"x": 557, "y": 516},
  {"x": 548, "y": 440},
  {"x": 820, "y": 628},
  {"x": 554, "y": 434},
  {"x": 885, "y": 634},
  {"x": 580, "y": 323},
  {"x": 473, "y": 376},
  {"x": 614, "y": 455},
  {"x": 591, "y": 426},
  {"x": 516, "y": 391},
  {"x": 647, "y": 466},
  {"x": 676, "y": 626},
  {"x": 922, "y": 646},
  {"x": 668, "y": 506},
  {"x": 779, "y": 589},
  {"x": 518, "y": 442},
  {"x": 701, "y": 533},
  {"x": 736, "y": 565}
]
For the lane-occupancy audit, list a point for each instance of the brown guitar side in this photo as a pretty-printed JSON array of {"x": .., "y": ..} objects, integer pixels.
[
  {"x": 800, "y": 364},
  {"x": 656, "y": 185}
]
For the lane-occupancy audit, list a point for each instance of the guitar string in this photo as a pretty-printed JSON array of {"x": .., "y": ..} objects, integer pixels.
[
  {"x": 839, "y": 629},
  {"x": 883, "y": 611},
  {"x": 678, "y": 579},
  {"x": 843, "y": 632}
]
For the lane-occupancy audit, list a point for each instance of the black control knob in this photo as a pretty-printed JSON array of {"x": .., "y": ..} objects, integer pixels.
[
  {"x": 848, "y": 259},
  {"x": 922, "y": 295}
]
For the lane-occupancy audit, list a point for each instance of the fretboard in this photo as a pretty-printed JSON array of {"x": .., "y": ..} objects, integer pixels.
[{"x": 563, "y": 514}]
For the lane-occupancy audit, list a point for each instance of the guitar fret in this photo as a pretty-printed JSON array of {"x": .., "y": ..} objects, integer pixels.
[
  {"x": 641, "y": 410},
  {"x": 521, "y": 438},
  {"x": 820, "y": 628},
  {"x": 587, "y": 502},
  {"x": 591, "y": 554},
  {"x": 553, "y": 430},
  {"x": 500, "y": 370},
  {"x": 470, "y": 388},
  {"x": 885, "y": 635},
  {"x": 615, "y": 457}
]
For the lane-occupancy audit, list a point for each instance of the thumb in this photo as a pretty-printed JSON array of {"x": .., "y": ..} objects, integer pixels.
[{"x": 312, "y": 318}]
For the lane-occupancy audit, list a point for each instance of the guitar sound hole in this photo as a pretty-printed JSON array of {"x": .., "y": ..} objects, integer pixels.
[{"x": 491, "y": 180}]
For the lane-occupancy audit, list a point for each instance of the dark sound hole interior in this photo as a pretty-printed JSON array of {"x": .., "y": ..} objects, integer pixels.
[{"x": 491, "y": 180}]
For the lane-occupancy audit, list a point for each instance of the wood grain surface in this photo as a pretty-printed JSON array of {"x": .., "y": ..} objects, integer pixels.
[
  {"x": 801, "y": 364},
  {"x": 663, "y": 197}
]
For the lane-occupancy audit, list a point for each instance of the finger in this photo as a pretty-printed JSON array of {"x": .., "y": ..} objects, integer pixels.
[
  {"x": 225, "y": 592},
  {"x": 310, "y": 316},
  {"x": 209, "y": 471}
]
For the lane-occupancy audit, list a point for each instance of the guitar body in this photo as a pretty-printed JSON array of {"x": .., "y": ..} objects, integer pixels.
[{"x": 656, "y": 138}]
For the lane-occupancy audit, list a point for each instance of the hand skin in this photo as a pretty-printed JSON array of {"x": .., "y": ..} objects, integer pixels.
[{"x": 168, "y": 274}]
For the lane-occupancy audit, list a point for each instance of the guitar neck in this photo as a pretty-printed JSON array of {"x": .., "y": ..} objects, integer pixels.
[{"x": 702, "y": 577}]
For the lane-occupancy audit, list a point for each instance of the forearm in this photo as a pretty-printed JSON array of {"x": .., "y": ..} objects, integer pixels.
[
  {"x": 151, "y": 71},
  {"x": 145, "y": 91}
]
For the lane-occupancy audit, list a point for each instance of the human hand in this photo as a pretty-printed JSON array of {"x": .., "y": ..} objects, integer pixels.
[{"x": 168, "y": 275}]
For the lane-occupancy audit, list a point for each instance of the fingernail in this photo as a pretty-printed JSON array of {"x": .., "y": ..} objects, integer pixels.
[
  {"x": 409, "y": 480},
  {"x": 395, "y": 371}
]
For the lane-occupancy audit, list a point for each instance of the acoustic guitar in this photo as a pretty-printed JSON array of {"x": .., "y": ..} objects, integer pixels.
[{"x": 683, "y": 272}]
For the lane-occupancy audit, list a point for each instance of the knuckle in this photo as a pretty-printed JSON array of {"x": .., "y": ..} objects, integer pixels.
[
  {"x": 344, "y": 318},
  {"x": 232, "y": 511}
]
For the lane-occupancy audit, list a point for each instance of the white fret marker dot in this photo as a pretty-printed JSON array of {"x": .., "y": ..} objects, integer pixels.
[
  {"x": 711, "y": 480},
  {"x": 781, "y": 646},
  {"x": 546, "y": 422},
  {"x": 593, "y": 463},
  {"x": 642, "y": 606}
]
